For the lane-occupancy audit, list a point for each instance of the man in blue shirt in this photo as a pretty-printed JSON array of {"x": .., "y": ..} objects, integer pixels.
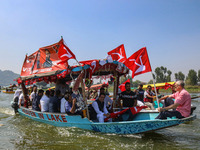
[{"x": 54, "y": 102}]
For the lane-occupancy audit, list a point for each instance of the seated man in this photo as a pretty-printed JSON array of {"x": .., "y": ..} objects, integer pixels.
[
  {"x": 33, "y": 94},
  {"x": 128, "y": 97},
  {"x": 36, "y": 100},
  {"x": 148, "y": 97},
  {"x": 54, "y": 102},
  {"x": 107, "y": 99},
  {"x": 44, "y": 102},
  {"x": 62, "y": 104},
  {"x": 99, "y": 108},
  {"x": 182, "y": 103},
  {"x": 79, "y": 98},
  {"x": 140, "y": 95},
  {"x": 70, "y": 105}
]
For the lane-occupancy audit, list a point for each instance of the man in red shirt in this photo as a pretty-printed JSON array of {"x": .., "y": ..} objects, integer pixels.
[{"x": 182, "y": 103}]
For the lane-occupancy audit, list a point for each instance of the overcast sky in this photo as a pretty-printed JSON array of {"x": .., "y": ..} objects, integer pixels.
[{"x": 169, "y": 29}]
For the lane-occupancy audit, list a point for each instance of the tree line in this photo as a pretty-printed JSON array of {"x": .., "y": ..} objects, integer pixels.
[{"x": 162, "y": 74}]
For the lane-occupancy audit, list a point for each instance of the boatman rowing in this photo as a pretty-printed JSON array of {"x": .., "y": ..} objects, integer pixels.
[{"x": 182, "y": 103}]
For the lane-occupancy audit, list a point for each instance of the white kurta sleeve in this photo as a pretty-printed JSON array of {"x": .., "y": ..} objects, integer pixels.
[{"x": 96, "y": 108}]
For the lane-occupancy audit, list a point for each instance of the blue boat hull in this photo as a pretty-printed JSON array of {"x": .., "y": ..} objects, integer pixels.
[{"x": 143, "y": 122}]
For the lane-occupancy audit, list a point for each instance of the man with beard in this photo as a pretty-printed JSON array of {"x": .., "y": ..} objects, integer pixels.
[{"x": 128, "y": 97}]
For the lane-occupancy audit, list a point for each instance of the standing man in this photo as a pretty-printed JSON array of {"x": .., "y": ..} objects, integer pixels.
[
  {"x": 128, "y": 97},
  {"x": 182, "y": 103}
]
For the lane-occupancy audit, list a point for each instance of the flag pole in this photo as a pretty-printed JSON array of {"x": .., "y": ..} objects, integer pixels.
[{"x": 155, "y": 89}]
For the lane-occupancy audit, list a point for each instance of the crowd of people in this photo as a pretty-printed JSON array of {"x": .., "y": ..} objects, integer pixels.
[
  {"x": 53, "y": 101},
  {"x": 67, "y": 101}
]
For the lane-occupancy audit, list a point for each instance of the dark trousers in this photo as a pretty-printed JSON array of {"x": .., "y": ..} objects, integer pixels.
[
  {"x": 165, "y": 114},
  {"x": 168, "y": 101}
]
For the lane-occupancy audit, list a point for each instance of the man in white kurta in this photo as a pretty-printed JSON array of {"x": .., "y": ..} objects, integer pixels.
[{"x": 100, "y": 108}]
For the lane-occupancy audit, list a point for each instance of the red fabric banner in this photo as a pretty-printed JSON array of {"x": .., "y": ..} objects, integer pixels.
[
  {"x": 134, "y": 110},
  {"x": 139, "y": 63},
  {"x": 45, "y": 60},
  {"x": 118, "y": 54}
]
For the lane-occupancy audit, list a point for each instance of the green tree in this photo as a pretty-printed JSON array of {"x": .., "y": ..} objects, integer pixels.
[
  {"x": 123, "y": 79},
  {"x": 136, "y": 83},
  {"x": 192, "y": 77},
  {"x": 162, "y": 74},
  {"x": 199, "y": 75},
  {"x": 179, "y": 76},
  {"x": 168, "y": 78},
  {"x": 150, "y": 82}
]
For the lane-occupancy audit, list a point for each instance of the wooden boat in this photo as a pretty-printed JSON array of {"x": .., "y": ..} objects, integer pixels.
[
  {"x": 34, "y": 72},
  {"x": 9, "y": 92},
  {"x": 143, "y": 122},
  {"x": 9, "y": 89}
]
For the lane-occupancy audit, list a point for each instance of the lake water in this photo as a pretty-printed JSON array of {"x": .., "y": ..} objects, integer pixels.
[{"x": 18, "y": 132}]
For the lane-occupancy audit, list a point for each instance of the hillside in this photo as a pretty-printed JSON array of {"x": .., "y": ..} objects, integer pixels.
[{"x": 7, "y": 77}]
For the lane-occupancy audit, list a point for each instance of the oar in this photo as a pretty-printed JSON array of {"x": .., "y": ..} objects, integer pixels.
[{"x": 195, "y": 97}]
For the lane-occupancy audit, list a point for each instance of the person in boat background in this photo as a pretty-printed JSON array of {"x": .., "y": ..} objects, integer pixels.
[
  {"x": 94, "y": 94},
  {"x": 70, "y": 105},
  {"x": 44, "y": 102},
  {"x": 168, "y": 101},
  {"x": 52, "y": 92},
  {"x": 33, "y": 94},
  {"x": 148, "y": 97},
  {"x": 62, "y": 86},
  {"x": 182, "y": 103},
  {"x": 54, "y": 102},
  {"x": 62, "y": 103},
  {"x": 77, "y": 94},
  {"x": 107, "y": 99},
  {"x": 16, "y": 95},
  {"x": 22, "y": 100},
  {"x": 36, "y": 101},
  {"x": 79, "y": 99},
  {"x": 48, "y": 62},
  {"x": 128, "y": 97},
  {"x": 140, "y": 95},
  {"x": 98, "y": 109}
]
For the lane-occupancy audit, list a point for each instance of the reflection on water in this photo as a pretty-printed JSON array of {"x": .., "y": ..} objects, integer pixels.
[{"x": 18, "y": 132}]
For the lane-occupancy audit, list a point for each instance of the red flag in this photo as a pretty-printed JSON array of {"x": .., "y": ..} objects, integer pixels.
[
  {"x": 118, "y": 54},
  {"x": 122, "y": 86},
  {"x": 167, "y": 85},
  {"x": 94, "y": 65},
  {"x": 139, "y": 62},
  {"x": 134, "y": 110},
  {"x": 64, "y": 53}
]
